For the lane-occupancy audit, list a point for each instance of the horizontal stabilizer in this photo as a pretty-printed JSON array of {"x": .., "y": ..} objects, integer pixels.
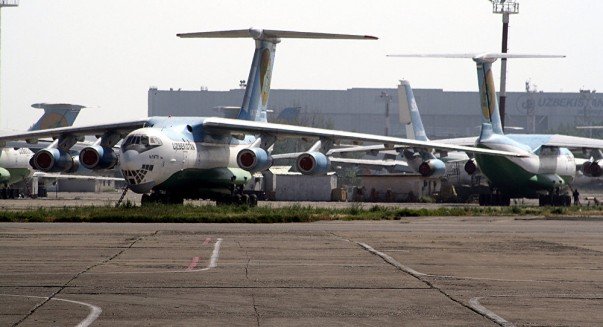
[
  {"x": 489, "y": 57},
  {"x": 261, "y": 34}
]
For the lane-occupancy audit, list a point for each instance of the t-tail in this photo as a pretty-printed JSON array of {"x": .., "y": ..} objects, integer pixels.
[
  {"x": 56, "y": 115},
  {"x": 487, "y": 91},
  {"x": 409, "y": 112},
  {"x": 255, "y": 101}
]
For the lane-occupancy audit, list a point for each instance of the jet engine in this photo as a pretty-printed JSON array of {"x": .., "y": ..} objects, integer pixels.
[
  {"x": 470, "y": 166},
  {"x": 592, "y": 168},
  {"x": 254, "y": 159},
  {"x": 54, "y": 160},
  {"x": 98, "y": 157},
  {"x": 313, "y": 163},
  {"x": 432, "y": 168}
]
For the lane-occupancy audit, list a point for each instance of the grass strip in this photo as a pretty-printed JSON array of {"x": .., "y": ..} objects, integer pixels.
[{"x": 267, "y": 214}]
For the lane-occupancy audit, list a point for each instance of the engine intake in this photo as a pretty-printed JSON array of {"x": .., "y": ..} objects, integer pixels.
[
  {"x": 98, "y": 157},
  {"x": 54, "y": 160},
  {"x": 254, "y": 159},
  {"x": 471, "y": 166},
  {"x": 313, "y": 163},
  {"x": 432, "y": 168}
]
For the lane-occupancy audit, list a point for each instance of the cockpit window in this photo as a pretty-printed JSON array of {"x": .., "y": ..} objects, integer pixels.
[{"x": 140, "y": 143}]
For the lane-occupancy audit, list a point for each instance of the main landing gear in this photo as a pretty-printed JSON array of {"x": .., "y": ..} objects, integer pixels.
[
  {"x": 555, "y": 200},
  {"x": 237, "y": 197}
]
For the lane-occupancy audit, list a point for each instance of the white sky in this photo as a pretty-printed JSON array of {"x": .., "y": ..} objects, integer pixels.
[{"x": 108, "y": 53}]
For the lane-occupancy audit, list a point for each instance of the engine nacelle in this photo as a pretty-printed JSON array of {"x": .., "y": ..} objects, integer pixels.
[
  {"x": 53, "y": 160},
  {"x": 592, "y": 168},
  {"x": 97, "y": 157},
  {"x": 432, "y": 168},
  {"x": 254, "y": 159},
  {"x": 471, "y": 166},
  {"x": 313, "y": 163}
]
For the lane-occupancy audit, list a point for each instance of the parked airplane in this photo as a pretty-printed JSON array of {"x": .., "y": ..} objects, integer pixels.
[
  {"x": 548, "y": 166},
  {"x": 168, "y": 159},
  {"x": 14, "y": 159}
]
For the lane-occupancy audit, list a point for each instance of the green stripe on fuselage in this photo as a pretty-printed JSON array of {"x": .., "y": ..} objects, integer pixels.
[
  {"x": 202, "y": 181},
  {"x": 513, "y": 180}
]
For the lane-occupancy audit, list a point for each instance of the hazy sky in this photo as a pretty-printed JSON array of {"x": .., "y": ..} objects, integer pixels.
[{"x": 108, "y": 53}]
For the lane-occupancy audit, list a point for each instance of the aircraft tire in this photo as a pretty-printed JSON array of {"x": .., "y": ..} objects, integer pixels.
[{"x": 245, "y": 200}]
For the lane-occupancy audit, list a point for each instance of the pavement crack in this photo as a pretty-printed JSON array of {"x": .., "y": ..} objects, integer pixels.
[
  {"x": 255, "y": 308},
  {"x": 66, "y": 284}
]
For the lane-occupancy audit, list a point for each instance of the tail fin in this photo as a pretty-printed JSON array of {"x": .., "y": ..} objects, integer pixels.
[
  {"x": 409, "y": 113},
  {"x": 56, "y": 115},
  {"x": 487, "y": 91},
  {"x": 255, "y": 101}
]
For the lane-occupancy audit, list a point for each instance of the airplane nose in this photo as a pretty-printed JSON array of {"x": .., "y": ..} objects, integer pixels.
[{"x": 129, "y": 160}]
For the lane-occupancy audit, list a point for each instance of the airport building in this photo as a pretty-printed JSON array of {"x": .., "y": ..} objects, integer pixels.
[{"x": 445, "y": 113}]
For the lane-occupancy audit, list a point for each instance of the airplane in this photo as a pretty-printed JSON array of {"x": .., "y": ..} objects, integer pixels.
[
  {"x": 14, "y": 158},
  {"x": 168, "y": 159},
  {"x": 548, "y": 165}
]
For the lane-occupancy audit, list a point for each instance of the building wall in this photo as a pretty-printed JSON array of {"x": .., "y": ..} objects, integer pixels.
[{"x": 445, "y": 114}]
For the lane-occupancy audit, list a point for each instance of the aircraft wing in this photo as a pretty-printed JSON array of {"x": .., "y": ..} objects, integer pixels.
[
  {"x": 121, "y": 128},
  {"x": 75, "y": 177},
  {"x": 573, "y": 142},
  {"x": 236, "y": 126}
]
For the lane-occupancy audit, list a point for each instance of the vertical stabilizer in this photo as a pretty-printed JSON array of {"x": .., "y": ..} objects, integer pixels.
[
  {"x": 255, "y": 101},
  {"x": 56, "y": 115},
  {"x": 487, "y": 95},
  {"x": 409, "y": 113}
]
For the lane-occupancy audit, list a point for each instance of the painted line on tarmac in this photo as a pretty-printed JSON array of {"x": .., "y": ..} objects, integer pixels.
[
  {"x": 421, "y": 277},
  {"x": 474, "y": 303},
  {"x": 94, "y": 310},
  {"x": 213, "y": 261},
  {"x": 193, "y": 263},
  {"x": 392, "y": 261}
]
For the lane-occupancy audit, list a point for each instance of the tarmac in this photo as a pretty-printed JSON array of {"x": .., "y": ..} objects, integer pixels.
[{"x": 477, "y": 271}]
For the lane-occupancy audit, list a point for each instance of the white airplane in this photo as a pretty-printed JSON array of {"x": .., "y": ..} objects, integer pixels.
[
  {"x": 14, "y": 159},
  {"x": 546, "y": 168},
  {"x": 168, "y": 159}
]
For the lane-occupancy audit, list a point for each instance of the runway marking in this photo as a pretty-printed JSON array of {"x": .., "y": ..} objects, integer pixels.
[
  {"x": 213, "y": 261},
  {"x": 474, "y": 303},
  {"x": 94, "y": 310},
  {"x": 392, "y": 261},
  {"x": 421, "y": 277},
  {"x": 193, "y": 263},
  {"x": 207, "y": 241}
]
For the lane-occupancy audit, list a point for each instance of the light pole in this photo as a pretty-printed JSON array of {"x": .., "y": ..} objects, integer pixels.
[
  {"x": 388, "y": 99},
  {"x": 506, "y": 8}
]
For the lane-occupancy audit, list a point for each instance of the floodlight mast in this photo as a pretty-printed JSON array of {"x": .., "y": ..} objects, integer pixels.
[
  {"x": 506, "y": 8},
  {"x": 5, "y": 3}
]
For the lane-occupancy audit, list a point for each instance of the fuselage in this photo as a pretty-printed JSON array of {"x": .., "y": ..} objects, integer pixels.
[
  {"x": 15, "y": 162},
  {"x": 543, "y": 169},
  {"x": 176, "y": 155}
]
